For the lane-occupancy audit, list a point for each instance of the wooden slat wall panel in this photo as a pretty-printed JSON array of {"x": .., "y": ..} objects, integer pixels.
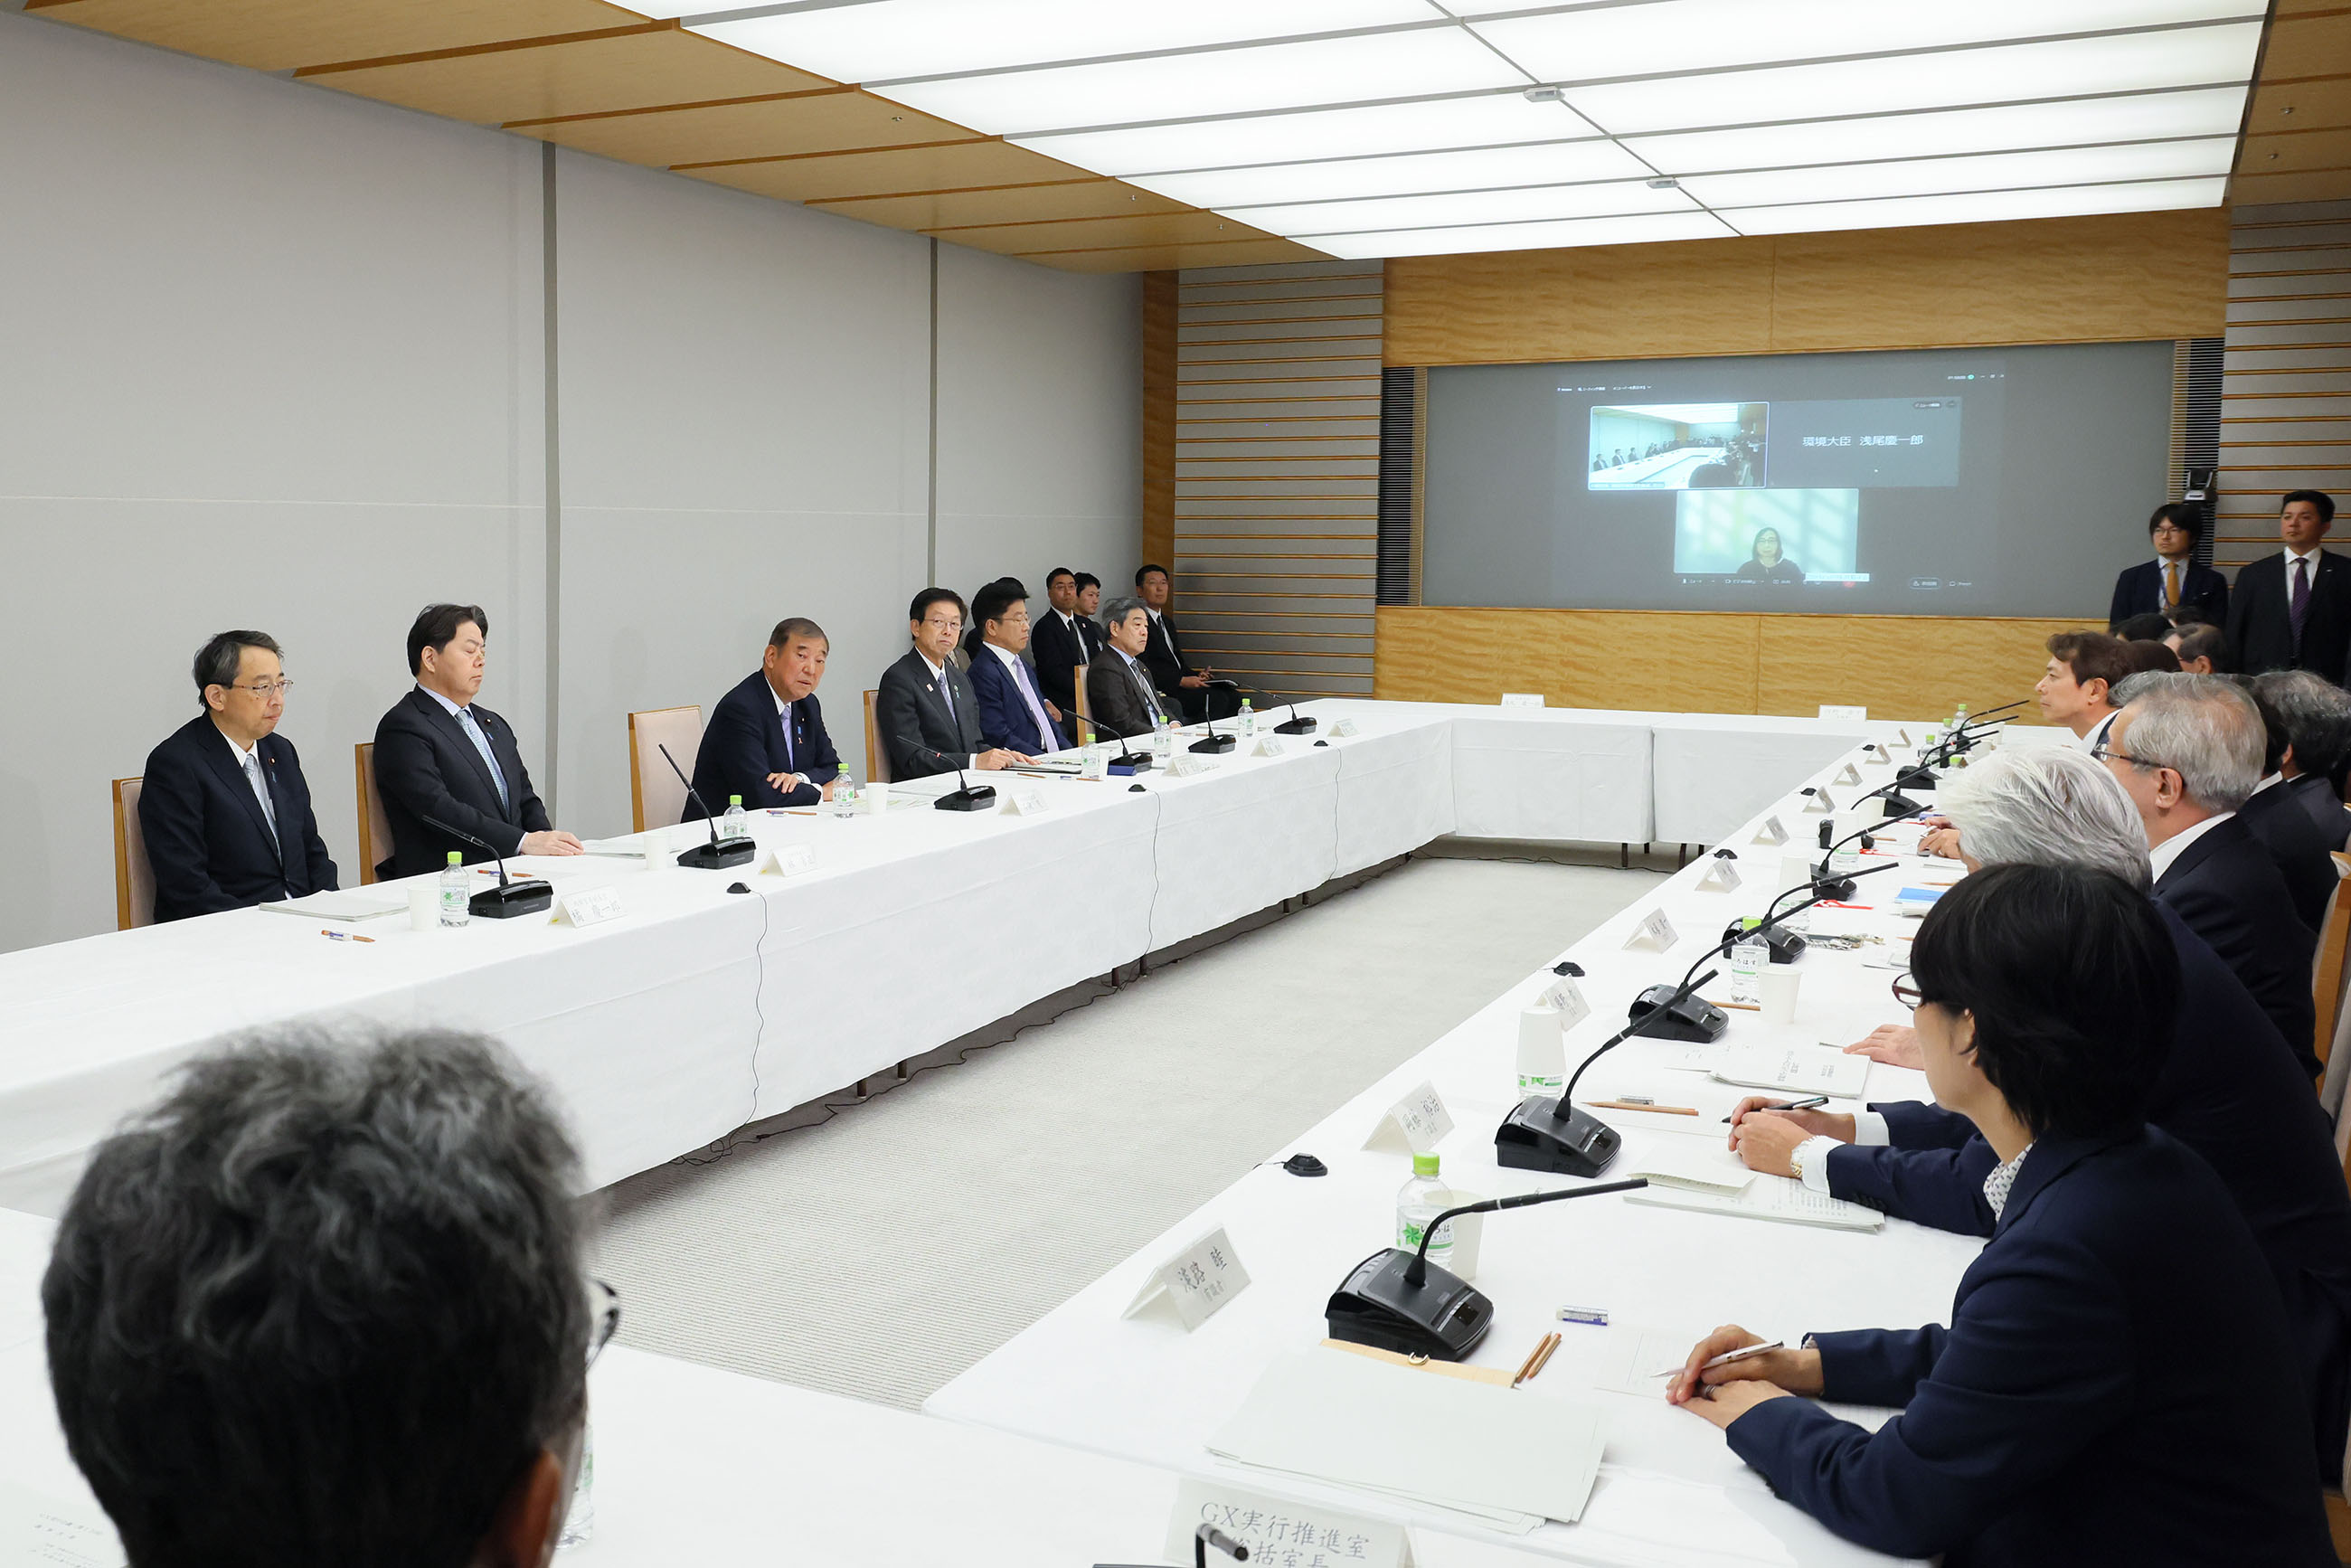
[
  {"x": 2285, "y": 385},
  {"x": 1158, "y": 424},
  {"x": 1897, "y": 666},
  {"x": 1277, "y": 472}
]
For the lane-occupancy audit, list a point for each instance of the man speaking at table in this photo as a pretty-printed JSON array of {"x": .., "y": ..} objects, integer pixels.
[
  {"x": 224, "y": 808},
  {"x": 766, "y": 740},
  {"x": 438, "y": 753},
  {"x": 927, "y": 711}
]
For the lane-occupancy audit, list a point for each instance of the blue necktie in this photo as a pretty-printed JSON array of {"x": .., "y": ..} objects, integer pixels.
[
  {"x": 789, "y": 764},
  {"x": 261, "y": 792},
  {"x": 482, "y": 744}
]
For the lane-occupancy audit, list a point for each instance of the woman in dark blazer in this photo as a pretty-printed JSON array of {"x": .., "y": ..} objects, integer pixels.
[
  {"x": 1769, "y": 562},
  {"x": 2118, "y": 1383}
]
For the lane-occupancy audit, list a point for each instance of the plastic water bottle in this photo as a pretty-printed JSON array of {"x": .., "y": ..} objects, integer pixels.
[
  {"x": 457, "y": 892},
  {"x": 1163, "y": 739},
  {"x": 735, "y": 824},
  {"x": 1750, "y": 957},
  {"x": 1420, "y": 1201},
  {"x": 844, "y": 794},
  {"x": 579, "y": 1522},
  {"x": 1249, "y": 720},
  {"x": 1959, "y": 719}
]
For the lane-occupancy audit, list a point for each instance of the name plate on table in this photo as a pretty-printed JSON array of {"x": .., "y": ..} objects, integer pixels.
[
  {"x": 37, "y": 1528},
  {"x": 1522, "y": 699},
  {"x": 1817, "y": 803},
  {"x": 1901, "y": 737},
  {"x": 1414, "y": 1124},
  {"x": 590, "y": 906},
  {"x": 1268, "y": 746},
  {"x": 1184, "y": 765},
  {"x": 1028, "y": 802},
  {"x": 791, "y": 859},
  {"x": 1721, "y": 876},
  {"x": 1850, "y": 775},
  {"x": 1565, "y": 997},
  {"x": 1833, "y": 710},
  {"x": 1771, "y": 832},
  {"x": 1279, "y": 1531},
  {"x": 1655, "y": 933},
  {"x": 1342, "y": 729},
  {"x": 1199, "y": 1279}
]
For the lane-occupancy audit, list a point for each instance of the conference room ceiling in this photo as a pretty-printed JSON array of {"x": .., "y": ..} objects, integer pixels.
[{"x": 1099, "y": 135}]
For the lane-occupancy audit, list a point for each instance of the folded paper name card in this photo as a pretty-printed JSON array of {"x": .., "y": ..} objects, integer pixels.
[
  {"x": 1268, "y": 746},
  {"x": 1342, "y": 729},
  {"x": 589, "y": 906},
  {"x": 1817, "y": 803},
  {"x": 1833, "y": 710},
  {"x": 1655, "y": 933},
  {"x": 1414, "y": 1124},
  {"x": 1722, "y": 876},
  {"x": 1522, "y": 699},
  {"x": 1771, "y": 832},
  {"x": 1279, "y": 1530},
  {"x": 791, "y": 859},
  {"x": 1184, "y": 765},
  {"x": 1565, "y": 998},
  {"x": 1025, "y": 802},
  {"x": 1199, "y": 1281},
  {"x": 1850, "y": 775}
]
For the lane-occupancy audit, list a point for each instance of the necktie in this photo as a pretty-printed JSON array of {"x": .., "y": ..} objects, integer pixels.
[
  {"x": 2301, "y": 605},
  {"x": 1150, "y": 696},
  {"x": 261, "y": 792},
  {"x": 791, "y": 764},
  {"x": 482, "y": 744},
  {"x": 2171, "y": 584},
  {"x": 946, "y": 688},
  {"x": 1046, "y": 736}
]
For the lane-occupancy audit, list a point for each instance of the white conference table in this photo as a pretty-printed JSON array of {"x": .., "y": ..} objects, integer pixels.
[
  {"x": 694, "y": 1465},
  {"x": 1671, "y": 1492},
  {"x": 700, "y": 1010}
]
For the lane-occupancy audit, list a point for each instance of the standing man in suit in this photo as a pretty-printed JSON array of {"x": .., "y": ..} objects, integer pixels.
[
  {"x": 1183, "y": 686},
  {"x": 438, "y": 753},
  {"x": 928, "y": 713},
  {"x": 1063, "y": 639},
  {"x": 2188, "y": 751},
  {"x": 2171, "y": 579},
  {"x": 2292, "y": 611},
  {"x": 766, "y": 741},
  {"x": 1118, "y": 685},
  {"x": 224, "y": 809},
  {"x": 1013, "y": 714}
]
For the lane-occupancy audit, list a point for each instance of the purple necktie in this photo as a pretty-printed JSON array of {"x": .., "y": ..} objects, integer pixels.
[
  {"x": 2301, "y": 605},
  {"x": 1045, "y": 734},
  {"x": 790, "y": 761}
]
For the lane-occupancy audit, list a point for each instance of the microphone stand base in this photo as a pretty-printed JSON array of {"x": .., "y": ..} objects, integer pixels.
[
  {"x": 1532, "y": 1138},
  {"x": 1296, "y": 726},
  {"x": 715, "y": 857},
  {"x": 1213, "y": 745},
  {"x": 977, "y": 798},
  {"x": 1442, "y": 1318},
  {"x": 513, "y": 898}
]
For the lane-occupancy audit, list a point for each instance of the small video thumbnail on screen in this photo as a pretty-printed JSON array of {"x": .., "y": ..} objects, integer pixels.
[
  {"x": 1770, "y": 536},
  {"x": 1678, "y": 446}
]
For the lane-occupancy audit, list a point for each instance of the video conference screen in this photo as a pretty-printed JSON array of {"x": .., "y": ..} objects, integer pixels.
[{"x": 2015, "y": 481}]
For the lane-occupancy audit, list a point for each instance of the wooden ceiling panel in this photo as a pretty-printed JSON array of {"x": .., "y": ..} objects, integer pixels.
[
  {"x": 712, "y": 133},
  {"x": 2280, "y": 107},
  {"x": 285, "y": 35},
  {"x": 1094, "y": 233},
  {"x": 2296, "y": 151},
  {"x": 1095, "y": 198},
  {"x": 892, "y": 171},
  {"x": 1172, "y": 257},
  {"x": 2308, "y": 186},
  {"x": 2312, "y": 44},
  {"x": 592, "y": 75}
]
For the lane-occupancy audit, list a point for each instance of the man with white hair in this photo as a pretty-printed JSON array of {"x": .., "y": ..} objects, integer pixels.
[
  {"x": 2188, "y": 751},
  {"x": 2231, "y": 1089}
]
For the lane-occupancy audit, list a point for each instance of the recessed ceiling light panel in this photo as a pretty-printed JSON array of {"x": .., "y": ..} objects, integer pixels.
[
  {"x": 1998, "y": 171},
  {"x": 1484, "y": 121},
  {"x": 1615, "y": 199},
  {"x": 1643, "y": 230},
  {"x": 1540, "y": 163},
  {"x": 1991, "y": 206}
]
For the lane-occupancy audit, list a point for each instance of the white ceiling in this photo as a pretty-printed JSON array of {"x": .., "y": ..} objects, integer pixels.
[{"x": 1375, "y": 128}]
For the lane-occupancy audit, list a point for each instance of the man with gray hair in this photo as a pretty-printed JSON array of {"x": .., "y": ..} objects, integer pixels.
[
  {"x": 2280, "y": 825},
  {"x": 2317, "y": 717},
  {"x": 1119, "y": 687},
  {"x": 324, "y": 1305},
  {"x": 2187, "y": 749},
  {"x": 2230, "y": 1088}
]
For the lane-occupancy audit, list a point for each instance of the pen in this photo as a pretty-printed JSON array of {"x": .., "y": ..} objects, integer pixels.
[
  {"x": 1726, "y": 1358},
  {"x": 1641, "y": 1105},
  {"x": 1815, "y": 1103},
  {"x": 344, "y": 936}
]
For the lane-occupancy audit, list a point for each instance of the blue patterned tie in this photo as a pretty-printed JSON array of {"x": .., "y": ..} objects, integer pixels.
[{"x": 482, "y": 744}]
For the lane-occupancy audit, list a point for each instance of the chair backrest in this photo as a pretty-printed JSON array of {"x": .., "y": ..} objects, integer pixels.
[
  {"x": 134, "y": 879},
  {"x": 877, "y": 754},
  {"x": 1085, "y": 705},
  {"x": 375, "y": 829},
  {"x": 2328, "y": 964},
  {"x": 656, "y": 796}
]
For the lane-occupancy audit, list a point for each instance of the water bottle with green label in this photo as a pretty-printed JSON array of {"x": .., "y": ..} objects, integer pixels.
[
  {"x": 1750, "y": 957},
  {"x": 735, "y": 824},
  {"x": 1420, "y": 1203},
  {"x": 457, "y": 892}
]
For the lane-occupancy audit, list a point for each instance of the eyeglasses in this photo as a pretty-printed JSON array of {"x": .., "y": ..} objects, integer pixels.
[
  {"x": 2107, "y": 754},
  {"x": 1908, "y": 994},
  {"x": 952, "y": 624},
  {"x": 264, "y": 689},
  {"x": 608, "y": 1321}
]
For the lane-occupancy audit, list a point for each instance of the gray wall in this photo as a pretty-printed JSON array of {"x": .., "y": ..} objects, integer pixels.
[{"x": 275, "y": 358}]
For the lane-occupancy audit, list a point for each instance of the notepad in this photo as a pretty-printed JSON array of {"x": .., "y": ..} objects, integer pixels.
[
  {"x": 1694, "y": 1167},
  {"x": 1794, "y": 1069},
  {"x": 1783, "y": 1198},
  {"x": 348, "y": 907}
]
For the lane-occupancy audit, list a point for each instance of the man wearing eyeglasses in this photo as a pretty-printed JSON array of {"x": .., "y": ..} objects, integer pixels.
[
  {"x": 928, "y": 713},
  {"x": 223, "y": 807}
]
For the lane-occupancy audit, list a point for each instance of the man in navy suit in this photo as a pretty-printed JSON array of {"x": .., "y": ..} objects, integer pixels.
[
  {"x": 2172, "y": 580},
  {"x": 766, "y": 740},
  {"x": 2317, "y": 718},
  {"x": 223, "y": 806},
  {"x": 2292, "y": 611},
  {"x": 1013, "y": 713},
  {"x": 439, "y": 753},
  {"x": 1063, "y": 639},
  {"x": 925, "y": 709},
  {"x": 2118, "y": 1383},
  {"x": 2275, "y": 816},
  {"x": 2230, "y": 1090}
]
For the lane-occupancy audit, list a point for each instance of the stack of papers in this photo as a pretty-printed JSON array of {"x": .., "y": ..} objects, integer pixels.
[
  {"x": 1794, "y": 1069},
  {"x": 1783, "y": 1198},
  {"x": 345, "y": 906},
  {"x": 1501, "y": 1458},
  {"x": 1693, "y": 1165}
]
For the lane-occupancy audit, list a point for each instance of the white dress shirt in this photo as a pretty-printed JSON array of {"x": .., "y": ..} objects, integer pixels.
[
  {"x": 2310, "y": 555},
  {"x": 2161, "y": 856},
  {"x": 2095, "y": 736},
  {"x": 259, "y": 778},
  {"x": 1811, "y": 1158}
]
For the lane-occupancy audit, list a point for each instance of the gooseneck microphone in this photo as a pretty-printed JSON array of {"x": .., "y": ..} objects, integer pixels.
[
  {"x": 719, "y": 852},
  {"x": 1293, "y": 724},
  {"x": 1866, "y": 835},
  {"x": 1128, "y": 760},
  {"x": 1419, "y": 1269},
  {"x": 510, "y": 897},
  {"x": 1544, "y": 1133}
]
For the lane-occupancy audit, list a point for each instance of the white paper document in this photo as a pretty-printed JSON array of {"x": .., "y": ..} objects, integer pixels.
[
  {"x": 1693, "y": 1165},
  {"x": 1363, "y": 1423},
  {"x": 1783, "y": 1198},
  {"x": 350, "y": 907},
  {"x": 1794, "y": 1069}
]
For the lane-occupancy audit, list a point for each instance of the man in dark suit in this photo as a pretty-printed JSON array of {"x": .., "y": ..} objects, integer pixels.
[
  {"x": 2292, "y": 611},
  {"x": 2171, "y": 579},
  {"x": 2118, "y": 1382},
  {"x": 1063, "y": 639},
  {"x": 766, "y": 740},
  {"x": 2188, "y": 751},
  {"x": 2202, "y": 647},
  {"x": 2231, "y": 1090},
  {"x": 2317, "y": 717},
  {"x": 2275, "y": 817},
  {"x": 1013, "y": 714},
  {"x": 223, "y": 807},
  {"x": 438, "y": 753},
  {"x": 1118, "y": 685},
  {"x": 928, "y": 713},
  {"x": 1183, "y": 687}
]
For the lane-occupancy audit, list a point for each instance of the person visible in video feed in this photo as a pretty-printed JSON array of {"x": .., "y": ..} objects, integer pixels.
[{"x": 1769, "y": 563}]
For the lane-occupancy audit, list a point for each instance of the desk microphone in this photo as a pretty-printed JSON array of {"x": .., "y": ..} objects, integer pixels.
[
  {"x": 1547, "y": 1134},
  {"x": 1787, "y": 946},
  {"x": 1867, "y": 836},
  {"x": 719, "y": 852},
  {"x": 1133, "y": 761},
  {"x": 1293, "y": 724},
  {"x": 509, "y": 898},
  {"x": 1399, "y": 1301},
  {"x": 968, "y": 797}
]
